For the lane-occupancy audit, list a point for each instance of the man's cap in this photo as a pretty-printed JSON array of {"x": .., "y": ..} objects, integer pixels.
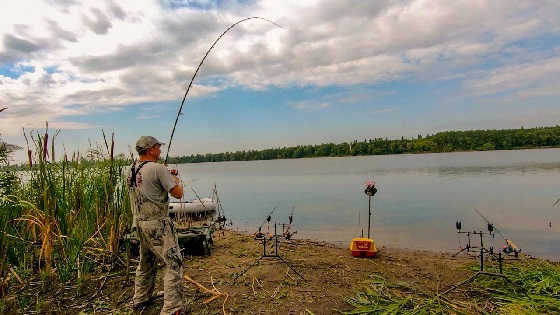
[{"x": 146, "y": 142}]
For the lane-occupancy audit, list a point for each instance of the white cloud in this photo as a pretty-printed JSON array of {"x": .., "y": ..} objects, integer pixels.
[
  {"x": 109, "y": 54},
  {"x": 147, "y": 117},
  {"x": 383, "y": 110},
  {"x": 310, "y": 105},
  {"x": 529, "y": 79}
]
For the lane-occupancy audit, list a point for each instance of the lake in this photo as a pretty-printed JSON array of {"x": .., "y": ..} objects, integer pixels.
[{"x": 420, "y": 197}]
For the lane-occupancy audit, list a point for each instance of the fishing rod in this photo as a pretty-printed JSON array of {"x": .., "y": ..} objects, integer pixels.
[
  {"x": 221, "y": 219},
  {"x": 510, "y": 245},
  {"x": 180, "y": 111},
  {"x": 259, "y": 234},
  {"x": 286, "y": 227}
]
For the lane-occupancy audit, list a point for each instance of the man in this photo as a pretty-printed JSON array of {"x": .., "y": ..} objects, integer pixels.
[{"x": 149, "y": 185}]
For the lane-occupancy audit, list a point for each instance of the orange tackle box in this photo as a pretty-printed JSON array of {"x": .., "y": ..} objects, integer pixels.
[{"x": 362, "y": 247}]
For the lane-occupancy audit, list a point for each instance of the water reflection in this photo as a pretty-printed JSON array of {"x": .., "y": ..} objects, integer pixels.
[{"x": 420, "y": 196}]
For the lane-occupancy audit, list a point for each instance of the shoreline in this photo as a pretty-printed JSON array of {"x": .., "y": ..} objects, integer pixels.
[
  {"x": 332, "y": 278},
  {"x": 389, "y": 154}
]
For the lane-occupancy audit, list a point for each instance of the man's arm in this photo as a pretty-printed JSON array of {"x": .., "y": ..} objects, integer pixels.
[
  {"x": 170, "y": 183},
  {"x": 177, "y": 190}
]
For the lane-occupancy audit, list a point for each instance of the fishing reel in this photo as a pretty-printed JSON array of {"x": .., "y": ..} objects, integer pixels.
[
  {"x": 370, "y": 190},
  {"x": 287, "y": 233},
  {"x": 511, "y": 248},
  {"x": 260, "y": 235},
  {"x": 221, "y": 222},
  {"x": 286, "y": 228},
  {"x": 221, "y": 219}
]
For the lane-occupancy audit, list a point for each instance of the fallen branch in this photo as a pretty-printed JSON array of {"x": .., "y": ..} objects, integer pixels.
[
  {"x": 5, "y": 281},
  {"x": 262, "y": 287},
  {"x": 16, "y": 275},
  {"x": 214, "y": 292},
  {"x": 100, "y": 287}
]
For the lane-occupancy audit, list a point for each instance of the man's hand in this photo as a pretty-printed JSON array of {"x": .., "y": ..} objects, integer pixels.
[{"x": 177, "y": 191}]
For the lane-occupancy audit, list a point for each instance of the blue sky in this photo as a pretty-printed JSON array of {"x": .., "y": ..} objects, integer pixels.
[{"x": 334, "y": 72}]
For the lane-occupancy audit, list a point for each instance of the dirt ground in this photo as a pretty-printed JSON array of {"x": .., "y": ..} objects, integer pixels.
[{"x": 331, "y": 276}]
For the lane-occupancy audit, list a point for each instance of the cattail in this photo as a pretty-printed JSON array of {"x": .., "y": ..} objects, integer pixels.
[
  {"x": 105, "y": 140},
  {"x": 112, "y": 144},
  {"x": 52, "y": 149},
  {"x": 29, "y": 154},
  {"x": 46, "y": 141},
  {"x": 45, "y": 145}
]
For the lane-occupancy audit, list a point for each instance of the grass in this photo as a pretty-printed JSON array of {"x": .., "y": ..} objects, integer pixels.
[
  {"x": 536, "y": 291},
  {"x": 67, "y": 216},
  {"x": 380, "y": 296}
]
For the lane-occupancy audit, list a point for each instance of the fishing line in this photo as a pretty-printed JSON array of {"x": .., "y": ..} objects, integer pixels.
[{"x": 179, "y": 113}]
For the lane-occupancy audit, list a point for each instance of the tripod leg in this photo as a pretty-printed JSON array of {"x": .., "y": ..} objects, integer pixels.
[
  {"x": 460, "y": 251},
  {"x": 501, "y": 276},
  {"x": 478, "y": 274},
  {"x": 247, "y": 269},
  {"x": 291, "y": 267},
  {"x": 462, "y": 283}
]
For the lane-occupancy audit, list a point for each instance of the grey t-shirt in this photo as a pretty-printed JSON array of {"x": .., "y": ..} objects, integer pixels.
[{"x": 154, "y": 181}]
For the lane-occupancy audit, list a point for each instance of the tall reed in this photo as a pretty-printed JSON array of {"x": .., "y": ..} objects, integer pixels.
[
  {"x": 69, "y": 213},
  {"x": 8, "y": 212}
]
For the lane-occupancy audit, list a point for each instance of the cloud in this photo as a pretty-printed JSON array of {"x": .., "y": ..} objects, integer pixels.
[
  {"x": 124, "y": 57},
  {"x": 100, "y": 24},
  {"x": 18, "y": 44},
  {"x": 529, "y": 79},
  {"x": 60, "y": 33},
  {"x": 103, "y": 96},
  {"x": 15, "y": 48},
  {"x": 383, "y": 110},
  {"x": 117, "y": 11},
  {"x": 147, "y": 117},
  {"x": 111, "y": 54},
  {"x": 310, "y": 105},
  {"x": 62, "y": 3}
]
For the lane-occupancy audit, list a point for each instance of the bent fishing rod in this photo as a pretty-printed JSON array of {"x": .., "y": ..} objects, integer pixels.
[{"x": 180, "y": 111}]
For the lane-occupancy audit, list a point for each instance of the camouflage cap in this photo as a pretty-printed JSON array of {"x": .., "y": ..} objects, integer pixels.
[{"x": 146, "y": 142}]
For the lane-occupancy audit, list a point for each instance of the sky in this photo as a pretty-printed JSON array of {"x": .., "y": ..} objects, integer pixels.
[{"x": 334, "y": 71}]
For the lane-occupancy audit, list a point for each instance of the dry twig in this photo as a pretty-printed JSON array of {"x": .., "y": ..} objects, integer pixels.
[
  {"x": 214, "y": 292},
  {"x": 16, "y": 275}
]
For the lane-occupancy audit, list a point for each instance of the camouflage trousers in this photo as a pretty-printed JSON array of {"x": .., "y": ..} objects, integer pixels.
[{"x": 158, "y": 240}]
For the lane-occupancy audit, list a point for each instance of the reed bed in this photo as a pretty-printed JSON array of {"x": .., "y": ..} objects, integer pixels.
[{"x": 67, "y": 216}]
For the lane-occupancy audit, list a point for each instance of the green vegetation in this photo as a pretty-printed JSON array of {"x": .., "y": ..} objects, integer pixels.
[
  {"x": 448, "y": 141},
  {"x": 62, "y": 218},
  {"x": 536, "y": 290}
]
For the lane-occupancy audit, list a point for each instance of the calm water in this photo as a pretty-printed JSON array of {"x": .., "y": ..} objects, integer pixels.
[{"x": 420, "y": 196}]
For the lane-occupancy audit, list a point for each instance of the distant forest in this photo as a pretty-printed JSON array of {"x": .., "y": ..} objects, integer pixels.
[{"x": 447, "y": 141}]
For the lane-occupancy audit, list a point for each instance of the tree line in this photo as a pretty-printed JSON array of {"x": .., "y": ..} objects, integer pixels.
[{"x": 447, "y": 141}]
